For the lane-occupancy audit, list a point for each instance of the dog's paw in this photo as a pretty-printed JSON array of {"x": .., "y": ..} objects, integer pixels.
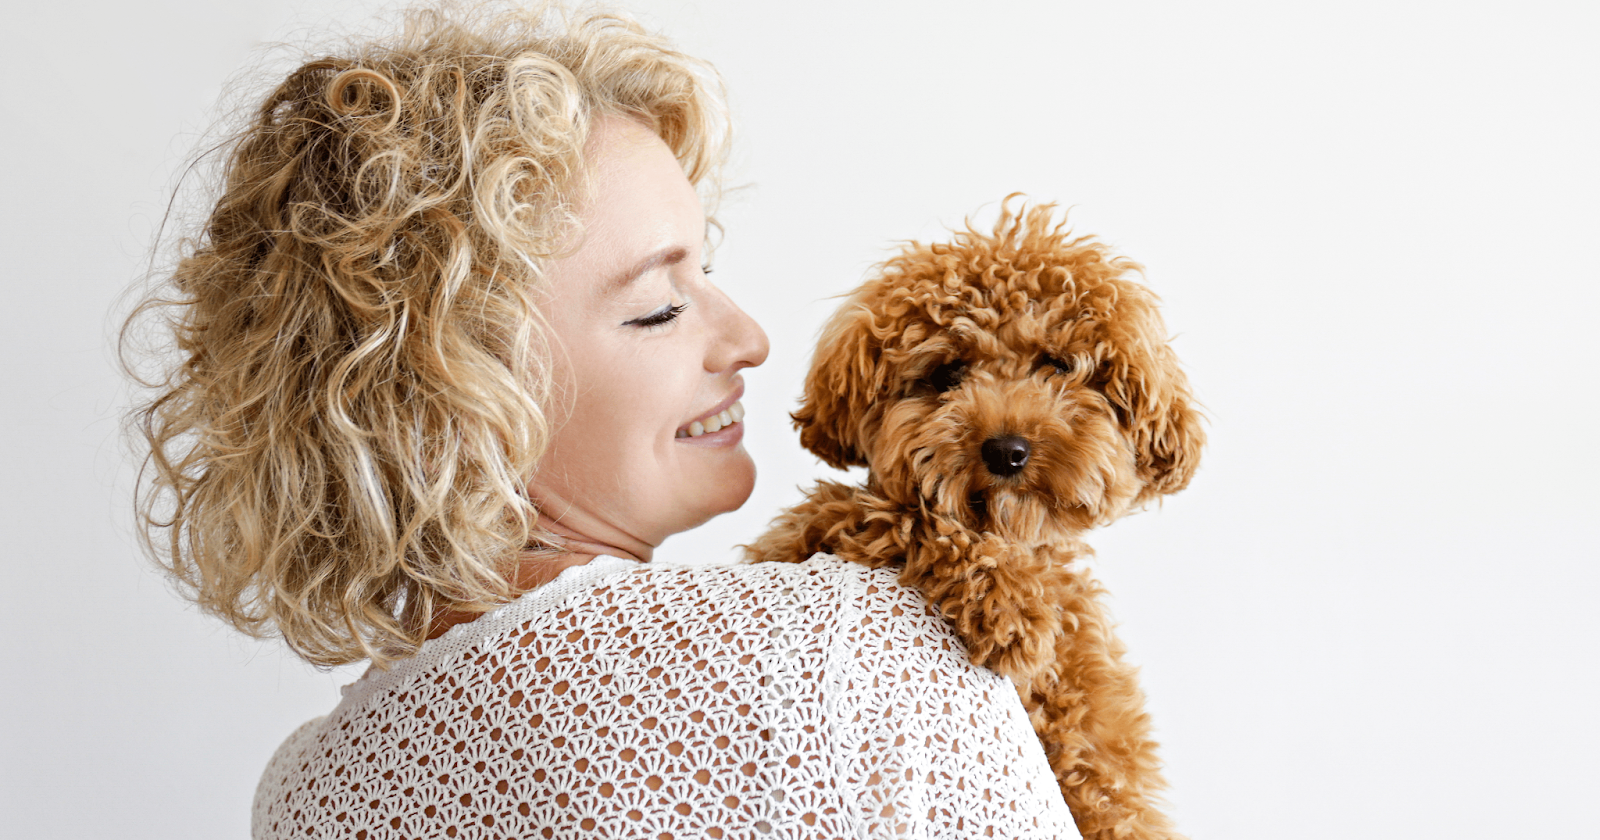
[
  {"x": 1014, "y": 639},
  {"x": 1004, "y": 600}
]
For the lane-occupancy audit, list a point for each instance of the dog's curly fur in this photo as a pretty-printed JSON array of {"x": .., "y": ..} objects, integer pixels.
[{"x": 929, "y": 376}]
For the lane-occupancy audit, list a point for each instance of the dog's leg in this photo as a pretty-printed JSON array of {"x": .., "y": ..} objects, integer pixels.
[
  {"x": 836, "y": 518},
  {"x": 1089, "y": 713},
  {"x": 997, "y": 594},
  {"x": 802, "y": 530}
]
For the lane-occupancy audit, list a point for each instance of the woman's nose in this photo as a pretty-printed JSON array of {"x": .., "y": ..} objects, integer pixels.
[{"x": 739, "y": 341}]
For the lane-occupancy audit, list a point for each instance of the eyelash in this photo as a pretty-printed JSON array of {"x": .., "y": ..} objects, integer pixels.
[
  {"x": 656, "y": 319},
  {"x": 665, "y": 316}
]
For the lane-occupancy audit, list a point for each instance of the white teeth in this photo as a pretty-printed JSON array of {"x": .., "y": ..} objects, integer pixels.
[{"x": 715, "y": 423}]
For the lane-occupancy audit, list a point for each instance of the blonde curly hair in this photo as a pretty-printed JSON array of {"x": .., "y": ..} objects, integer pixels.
[{"x": 343, "y": 442}]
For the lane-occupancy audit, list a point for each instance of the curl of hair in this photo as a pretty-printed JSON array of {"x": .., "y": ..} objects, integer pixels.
[{"x": 357, "y": 398}]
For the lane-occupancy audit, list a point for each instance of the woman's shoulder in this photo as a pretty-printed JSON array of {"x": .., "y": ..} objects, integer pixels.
[
  {"x": 831, "y": 601},
  {"x": 756, "y": 593},
  {"x": 835, "y": 601},
  {"x": 820, "y": 698},
  {"x": 820, "y": 572},
  {"x": 821, "y": 595},
  {"x": 850, "y": 626},
  {"x": 819, "y": 579},
  {"x": 824, "y": 599}
]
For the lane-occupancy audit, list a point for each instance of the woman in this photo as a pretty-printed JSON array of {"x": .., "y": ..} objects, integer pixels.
[{"x": 450, "y": 369}]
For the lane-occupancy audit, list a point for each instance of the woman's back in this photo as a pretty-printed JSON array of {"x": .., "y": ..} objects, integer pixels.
[{"x": 634, "y": 700}]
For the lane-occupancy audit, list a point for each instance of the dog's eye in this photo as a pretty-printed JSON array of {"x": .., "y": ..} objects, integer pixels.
[
  {"x": 1059, "y": 365},
  {"x": 947, "y": 375}
]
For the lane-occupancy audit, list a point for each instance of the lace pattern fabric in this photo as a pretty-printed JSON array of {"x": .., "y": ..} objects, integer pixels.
[{"x": 813, "y": 700}]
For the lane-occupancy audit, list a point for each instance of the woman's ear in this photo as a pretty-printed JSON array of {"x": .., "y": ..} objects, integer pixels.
[
  {"x": 845, "y": 377},
  {"x": 1150, "y": 394}
]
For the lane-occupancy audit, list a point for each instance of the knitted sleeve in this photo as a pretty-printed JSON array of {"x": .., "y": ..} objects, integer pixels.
[{"x": 814, "y": 700}]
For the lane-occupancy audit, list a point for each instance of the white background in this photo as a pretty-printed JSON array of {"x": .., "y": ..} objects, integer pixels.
[{"x": 1374, "y": 226}]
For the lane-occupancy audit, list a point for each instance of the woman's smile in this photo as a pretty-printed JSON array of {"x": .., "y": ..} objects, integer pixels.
[{"x": 721, "y": 425}]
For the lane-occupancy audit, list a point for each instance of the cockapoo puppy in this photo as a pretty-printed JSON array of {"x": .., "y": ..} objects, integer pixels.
[{"x": 1007, "y": 392}]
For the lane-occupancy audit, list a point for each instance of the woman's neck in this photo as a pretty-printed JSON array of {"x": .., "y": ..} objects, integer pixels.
[{"x": 535, "y": 568}]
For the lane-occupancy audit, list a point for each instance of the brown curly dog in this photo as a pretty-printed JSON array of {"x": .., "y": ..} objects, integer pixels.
[{"x": 1007, "y": 392}]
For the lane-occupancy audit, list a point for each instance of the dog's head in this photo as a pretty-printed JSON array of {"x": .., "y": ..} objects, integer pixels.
[{"x": 1017, "y": 382}]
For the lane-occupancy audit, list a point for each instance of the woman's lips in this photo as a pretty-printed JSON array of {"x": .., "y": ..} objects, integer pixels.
[{"x": 713, "y": 423}]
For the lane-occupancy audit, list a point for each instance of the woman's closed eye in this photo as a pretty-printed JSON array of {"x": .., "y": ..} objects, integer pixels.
[{"x": 660, "y": 317}]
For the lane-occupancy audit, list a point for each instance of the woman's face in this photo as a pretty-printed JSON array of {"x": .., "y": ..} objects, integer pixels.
[{"x": 647, "y": 359}]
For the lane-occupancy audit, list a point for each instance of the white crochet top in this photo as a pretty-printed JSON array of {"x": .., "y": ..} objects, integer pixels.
[{"x": 630, "y": 700}]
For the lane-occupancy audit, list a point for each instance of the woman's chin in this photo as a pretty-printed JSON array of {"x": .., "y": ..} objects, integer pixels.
[{"x": 724, "y": 492}]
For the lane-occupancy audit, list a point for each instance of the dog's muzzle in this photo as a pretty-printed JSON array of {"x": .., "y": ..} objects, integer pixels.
[{"x": 1006, "y": 455}]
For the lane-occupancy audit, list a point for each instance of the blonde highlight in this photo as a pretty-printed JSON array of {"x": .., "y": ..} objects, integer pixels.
[{"x": 360, "y": 391}]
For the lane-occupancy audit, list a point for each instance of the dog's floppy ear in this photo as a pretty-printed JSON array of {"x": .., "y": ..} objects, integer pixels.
[
  {"x": 845, "y": 378},
  {"x": 1143, "y": 382}
]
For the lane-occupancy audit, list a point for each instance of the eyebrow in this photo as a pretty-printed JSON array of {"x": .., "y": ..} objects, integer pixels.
[{"x": 671, "y": 255}]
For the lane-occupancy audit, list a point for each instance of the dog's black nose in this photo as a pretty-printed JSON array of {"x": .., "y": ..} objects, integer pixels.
[{"x": 1006, "y": 455}]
